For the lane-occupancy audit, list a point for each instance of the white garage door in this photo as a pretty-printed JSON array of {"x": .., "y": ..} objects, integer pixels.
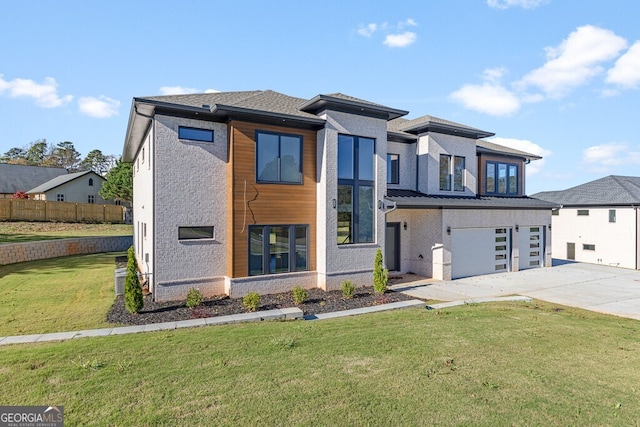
[
  {"x": 531, "y": 246},
  {"x": 476, "y": 251}
]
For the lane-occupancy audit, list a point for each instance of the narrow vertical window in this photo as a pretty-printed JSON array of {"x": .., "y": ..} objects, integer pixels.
[
  {"x": 612, "y": 215},
  {"x": 90, "y": 182},
  {"x": 356, "y": 189},
  {"x": 458, "y": 173},
  {"x": 393, "y": 169},
  {"x": 491, "y": 177},
  {"x": 445, "y": 172}
]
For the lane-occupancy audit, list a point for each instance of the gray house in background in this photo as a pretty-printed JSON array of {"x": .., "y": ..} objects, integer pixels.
[
  {"x": 598, "y": 222},
  {"x": 14, "y": 178},
  {"x": 79, "y": 187}
]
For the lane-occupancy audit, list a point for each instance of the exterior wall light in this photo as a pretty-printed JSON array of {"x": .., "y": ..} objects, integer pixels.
[
  {"x": 448, "y": 229},
  {"x": 405, "y": 225},
  {"x": 517, "y": 227}
]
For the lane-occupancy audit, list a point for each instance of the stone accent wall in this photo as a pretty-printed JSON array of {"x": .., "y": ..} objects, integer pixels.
[{"x": 43, "y": 249}]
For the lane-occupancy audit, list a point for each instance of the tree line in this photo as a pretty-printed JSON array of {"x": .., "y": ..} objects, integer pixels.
[
  {"x": 62, "y": 155},
  {"x": 118, "y": 174}
]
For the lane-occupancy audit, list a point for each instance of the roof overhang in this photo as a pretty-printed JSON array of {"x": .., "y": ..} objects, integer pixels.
[
  {"x": 401, "y": 137},
  {"x": 326, "y": 102},
  {"x": 526, "y": 156},
  {"x": 448, "y": 130}
]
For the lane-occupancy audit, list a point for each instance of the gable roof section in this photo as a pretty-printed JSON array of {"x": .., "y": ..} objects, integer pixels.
[
  {"x": 434, "y": 124},
  {"x": 611, "y": 190},
  {"x": 21, "y": 178},
  {"x": 58, "y": 181},
  {"x": 413, "y": 199},
  {"x": 487, "y": 147}
]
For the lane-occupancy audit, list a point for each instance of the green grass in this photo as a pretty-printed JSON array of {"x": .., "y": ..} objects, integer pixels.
[
  {"x": 485, "y": 364},
  {"x": 55, "y": 295},
  {"x": 17, "y": 232}
]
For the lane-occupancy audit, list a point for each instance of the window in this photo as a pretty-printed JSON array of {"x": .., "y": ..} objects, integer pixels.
[
  {"x": 555, "y": 212},
  {"x": 393, "y": 169},
  {"x": 445, "y": 172},
  {"x": 458, "y": 173},
  {"x": 612, "y": 215},
  {"x": 502, "y": 178},
  {"x": 278, "y": 249},
  {"x": 589, "y": 247},
  {"x": 194, "y": 233},
  {"x": 356, "y": 184},
  {"x": 278, "y": 158},
  {"x": 583, "y": 212},
  {"x": 60, "y": 197},
  {"x": 90, "y": 182},
  {"x": 91, "y": 198},
  {"x": 195, "y": 134}
]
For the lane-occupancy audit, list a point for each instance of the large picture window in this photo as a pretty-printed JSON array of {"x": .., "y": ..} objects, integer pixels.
[
  {"x": 502, "y": 178},
  {"x": 278, "y": 158},
  {"x": 356, "y": 185},
  {"x": 278, "y": 249}
]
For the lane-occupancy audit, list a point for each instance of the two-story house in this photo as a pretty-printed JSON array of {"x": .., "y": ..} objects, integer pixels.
[{"x": 260, "y": 191}]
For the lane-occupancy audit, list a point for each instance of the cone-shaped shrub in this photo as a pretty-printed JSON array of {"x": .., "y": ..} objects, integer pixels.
[
  {"x": 380, "y": 274},
  {"x": 132, "y": 290}
]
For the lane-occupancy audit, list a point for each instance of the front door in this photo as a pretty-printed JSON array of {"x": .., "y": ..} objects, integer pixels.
[
  {"x": 571, "y": 251},
  {"x": 392, "y": 246}
]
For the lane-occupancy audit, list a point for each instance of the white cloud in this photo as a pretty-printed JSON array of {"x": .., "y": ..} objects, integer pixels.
[
  {"x": 626, "y": 71},
  {"x": 525, "y": 4},
  {"x": 100, "y": 108},
  {"x": 576, "y": 60},
  {"x": 177, "y": 90},
  {"x": 602, "y": 158},
  {"x": 400, "y": 40},
  {"x": 491, "y": 97},
  {"x": 367, "y": 30},
  {"x": 45, "y": 94},
  {"x": 211, "y": 91},
  {"x": 528, "y": 147}
]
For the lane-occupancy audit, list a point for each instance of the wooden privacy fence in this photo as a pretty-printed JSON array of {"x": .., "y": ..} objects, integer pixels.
[{"x": 40, "y": 210}]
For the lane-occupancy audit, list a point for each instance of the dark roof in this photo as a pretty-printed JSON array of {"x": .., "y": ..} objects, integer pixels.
[
  {"x": 58, "y": 181},
  {"x": 21, "y": 178},
  {"x": 484, "y": 146},
  {"x": 415, "y": 199},
  {"x": 435, "y": 124},
  {"x": 341, "y": 102},
  {"x": 607, "y": 191}
]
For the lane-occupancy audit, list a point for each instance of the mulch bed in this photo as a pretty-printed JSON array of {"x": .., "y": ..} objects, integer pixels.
[{"x": 318, "y": 301}]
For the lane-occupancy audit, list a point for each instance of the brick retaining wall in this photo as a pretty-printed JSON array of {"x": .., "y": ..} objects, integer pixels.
[{"x": 30, "y": 251}]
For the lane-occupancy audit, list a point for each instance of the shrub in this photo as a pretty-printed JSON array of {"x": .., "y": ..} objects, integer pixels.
[
  {"x": 299, "y": 295},
  {"x": 20, "y": 195},
  {"x": 348, "y": 289},
  {"x": 380, "y": 274},
  {"x": 251, "y": 301},
  {"x": 194, "y": 298},
  {"x": 132, "y": 290}
]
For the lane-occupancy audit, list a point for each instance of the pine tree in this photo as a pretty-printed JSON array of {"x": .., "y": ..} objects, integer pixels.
[
  {"x": 380, "y": 274},
  {"x": 132, "y": 290}
]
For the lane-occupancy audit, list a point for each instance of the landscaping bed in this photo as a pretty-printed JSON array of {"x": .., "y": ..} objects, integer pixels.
[{"x": 318, "y": 301}]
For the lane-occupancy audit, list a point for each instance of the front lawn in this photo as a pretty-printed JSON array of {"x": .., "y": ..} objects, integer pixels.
[
  {"x": 17, "y": 232},
  {"x": 491, "y": 364},
  {"x": 57, "y": 294}
]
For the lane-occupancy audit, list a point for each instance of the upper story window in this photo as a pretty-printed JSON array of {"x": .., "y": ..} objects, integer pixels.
[
  {"x": 195, "y": 134},
  {"x": 451, "y": 169},
  {"x": 278, "y": 157},
  {"x": 502, "y": 178},
  {"x": 393, "y": 169},
  {"x": 356, "y": 184},
  {"x": 612, "y": 215},
  {"x": 90, "y": 182},
  {"x": 583, "y": 212}
]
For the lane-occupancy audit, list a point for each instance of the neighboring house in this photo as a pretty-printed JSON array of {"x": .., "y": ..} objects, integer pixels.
[
  {"x": 79, "y": 187},
  {"x": 260, "y": 191},
  {"x": 598, "y": 222},
  {"x": 14, "y": 178}
]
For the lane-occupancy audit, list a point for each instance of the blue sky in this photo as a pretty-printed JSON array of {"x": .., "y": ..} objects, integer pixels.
[{"x": 553, "y": 77}]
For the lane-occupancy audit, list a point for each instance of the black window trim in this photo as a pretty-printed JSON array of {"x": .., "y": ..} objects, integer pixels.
[
  {"x": 196, "y": 139},
  {"x": 202, "y": 227},
  {"x": 391, "y": 181},
  {"x": 495, "y": 178},
  {"x": 266, "y": 258},
  {"x": 279, "y": 134}
]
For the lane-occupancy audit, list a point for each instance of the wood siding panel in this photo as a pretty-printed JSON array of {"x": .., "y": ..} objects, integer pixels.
[
  {"x": 267, "y": 204},
  {"x": 482, "y": 171}
]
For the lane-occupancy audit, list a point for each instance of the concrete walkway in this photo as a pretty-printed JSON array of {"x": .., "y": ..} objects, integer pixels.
[{"x": 598, "y": 288}]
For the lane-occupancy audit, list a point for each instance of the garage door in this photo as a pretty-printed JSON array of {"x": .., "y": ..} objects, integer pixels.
[
  {"x": 476, "y": 251},
  {"x": 531, "y": 246}
]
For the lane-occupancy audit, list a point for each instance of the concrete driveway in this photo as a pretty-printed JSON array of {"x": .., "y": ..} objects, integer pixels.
[{"x": 599, "y": 288}]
